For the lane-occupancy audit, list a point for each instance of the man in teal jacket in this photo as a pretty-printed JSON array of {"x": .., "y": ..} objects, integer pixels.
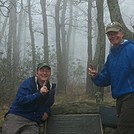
[
  {"x": 118, "y": 72},
  {"x": 32, "y": 103}
]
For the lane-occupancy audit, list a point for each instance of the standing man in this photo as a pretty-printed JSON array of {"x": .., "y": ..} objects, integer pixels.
[
  {"x": 118, "y": 72},
  {"x": 32, "y": 103}
]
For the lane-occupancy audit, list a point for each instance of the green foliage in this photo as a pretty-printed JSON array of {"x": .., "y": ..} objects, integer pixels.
[
  {"x": 98, "y": 97},
  {"x": 8, "y": 82}
]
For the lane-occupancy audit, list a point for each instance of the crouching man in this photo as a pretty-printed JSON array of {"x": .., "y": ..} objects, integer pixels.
[{"x": 32, "y": 104}]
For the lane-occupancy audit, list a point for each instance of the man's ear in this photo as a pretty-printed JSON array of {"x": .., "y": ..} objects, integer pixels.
[
  {"x": 123, "y": 34},
  {"x": 36, "y": 73}
]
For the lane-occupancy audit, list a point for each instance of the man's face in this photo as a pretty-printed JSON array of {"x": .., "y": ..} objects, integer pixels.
[
  {"x": 115, "y": 38},
  {"x": 43, "y": 74}
]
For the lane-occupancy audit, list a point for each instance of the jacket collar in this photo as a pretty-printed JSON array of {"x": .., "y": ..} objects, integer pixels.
[{"x": 116, "y": 49}]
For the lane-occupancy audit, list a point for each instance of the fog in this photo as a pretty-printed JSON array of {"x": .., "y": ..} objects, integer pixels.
[{"x": 17, "y": 44}]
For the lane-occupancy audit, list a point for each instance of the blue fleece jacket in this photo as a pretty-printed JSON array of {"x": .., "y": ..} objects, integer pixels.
[
  {"x": 118, "y": 71},
  {"x": 30, "y": 103}
]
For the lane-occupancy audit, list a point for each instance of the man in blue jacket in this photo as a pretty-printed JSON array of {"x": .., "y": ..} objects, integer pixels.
[
  {"x": 32, "y": 103},
  {"x": 118, "y": 72}
]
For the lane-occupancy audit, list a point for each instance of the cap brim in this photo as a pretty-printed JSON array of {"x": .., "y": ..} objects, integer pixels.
[
  {"x": 45, "y": 66},
  {"x": 112, "y": 30}
]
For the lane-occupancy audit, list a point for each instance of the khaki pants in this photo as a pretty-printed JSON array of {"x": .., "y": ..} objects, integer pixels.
[
  {"x": 15, "y": 124},
  {"x": 125, "y": 111}
]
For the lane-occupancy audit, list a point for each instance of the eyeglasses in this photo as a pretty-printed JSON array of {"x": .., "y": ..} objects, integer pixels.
[
  {"x": 46, "y": 70},
  {"x": 110, "y": 34}
]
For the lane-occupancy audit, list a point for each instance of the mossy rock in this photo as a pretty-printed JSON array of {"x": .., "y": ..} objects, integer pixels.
[{"x": 75, "y": 108}]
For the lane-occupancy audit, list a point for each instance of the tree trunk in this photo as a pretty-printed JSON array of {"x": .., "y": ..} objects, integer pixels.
[
  {"x": 20, "y": 27},
  {"x": 45, "y": 29},
  {"x": 32, "y": 36},
  {"x": 101, "y": 41},
  {"x": 69, "y": 34},
  {"x": 64, "y": 44},
  {"x": 60, "y": 74},
  {"x": 16, "y": 53},
  {"x": 10, "y": 42},
  {"x": 89, "y": 83}
]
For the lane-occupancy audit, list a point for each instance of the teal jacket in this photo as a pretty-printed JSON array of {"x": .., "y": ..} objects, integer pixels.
[
  {"x": 30, "y": 103},
  {"x": 118, "y": 71}
]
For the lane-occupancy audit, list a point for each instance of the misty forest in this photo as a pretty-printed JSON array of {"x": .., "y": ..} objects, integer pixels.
[{"x": 67, "y": 34}]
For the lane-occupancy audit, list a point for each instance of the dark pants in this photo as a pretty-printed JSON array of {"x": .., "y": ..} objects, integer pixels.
[
  {"x": 125, "y": 111},
  {"x": 15, "y": 124}
]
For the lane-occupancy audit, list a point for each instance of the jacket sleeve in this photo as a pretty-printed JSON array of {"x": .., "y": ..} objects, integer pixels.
[
  {"x": 102, "y": 79},
  {"x": 27, "y": 93}
]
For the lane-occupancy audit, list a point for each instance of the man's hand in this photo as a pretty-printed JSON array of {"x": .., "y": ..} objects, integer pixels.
[
  {"x": 44, "y": 116},
  {"x": 91, "y": 71},
  {"x": 44, "y": 89}
]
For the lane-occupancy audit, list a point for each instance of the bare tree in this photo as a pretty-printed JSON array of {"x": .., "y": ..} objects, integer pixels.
[
  {"x": 89, "y": 84},
  {"x": 3, "y": 5},
  {"x": 3, "y": 28},
  {"x": 45, "y": 29},
  {"x": 64, "y": 43},
  {"x": 11, "y": 44},
  {"x": 99, "y": 57},
  {"x": 69, "y": 33},
  {"x": 15, "y": 44},
  {"x": 60, "y": 74},
  {"x": 101, "y": 41},
  {"x": 32, "y": 35},
  {"x": 20, "y": 26}
]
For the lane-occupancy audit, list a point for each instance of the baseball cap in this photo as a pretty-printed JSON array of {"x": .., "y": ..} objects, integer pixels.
[
  {"x": 114, "y": 26},
  {"x": 41, "y": 65}
]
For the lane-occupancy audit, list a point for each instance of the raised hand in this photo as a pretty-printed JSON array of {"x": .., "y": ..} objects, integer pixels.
[
  {"x": 91, "y": 71},
  {"x": 44, "y": 89}
]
